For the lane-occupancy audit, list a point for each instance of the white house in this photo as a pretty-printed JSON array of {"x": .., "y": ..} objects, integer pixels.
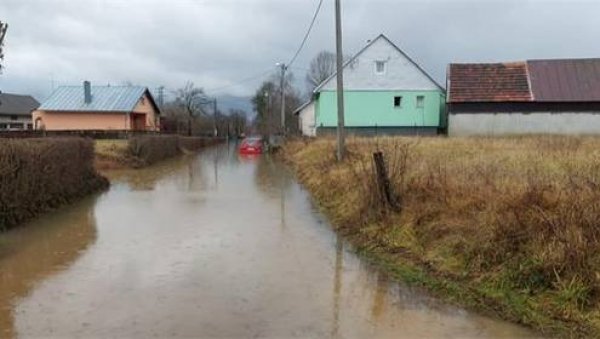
[
  {"x": 306, "y": 119},
  {"x": 385, "y": 93}
]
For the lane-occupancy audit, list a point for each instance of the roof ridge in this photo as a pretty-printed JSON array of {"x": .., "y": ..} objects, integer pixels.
[
  {"x": 105, "y": 86},
  {"x": 516, "y": 62},
  {"x": 362, "y": 50},
  {"x": 564, "y": 59}
]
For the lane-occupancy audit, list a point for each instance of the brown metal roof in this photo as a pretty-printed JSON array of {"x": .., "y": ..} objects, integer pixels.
[
  {"x": 561, "y": 80},
  {"x": 499, "y": 82},
  {"x": 570, "y": 80}
]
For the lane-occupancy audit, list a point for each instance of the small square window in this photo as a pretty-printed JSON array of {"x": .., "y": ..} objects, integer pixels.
[
  {"x": 397, "y": 102},
  {"x": 14, "y": 117},
  {"x": 420, "y": 101},
  {"x": 379, "y": 67}
]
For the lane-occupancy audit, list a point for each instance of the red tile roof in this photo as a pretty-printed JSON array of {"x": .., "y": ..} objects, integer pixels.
[
  {"x": 502, "y": 82},
  {"x": 568, "y": 80}
]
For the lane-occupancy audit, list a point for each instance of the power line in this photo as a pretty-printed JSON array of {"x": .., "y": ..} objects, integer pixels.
[
  {"x": 312, "y": 23},
  {"x": 239, "y": 82}
]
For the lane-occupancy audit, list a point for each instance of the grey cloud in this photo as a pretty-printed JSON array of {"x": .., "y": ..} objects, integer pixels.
[{"x": 214, "y": 43}]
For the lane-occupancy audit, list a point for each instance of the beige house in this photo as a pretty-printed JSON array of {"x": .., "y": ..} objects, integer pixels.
[{"x": 125, "y": 108}]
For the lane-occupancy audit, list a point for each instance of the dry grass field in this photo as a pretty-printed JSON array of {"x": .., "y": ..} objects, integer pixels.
[{"x": 505, "y": 225}]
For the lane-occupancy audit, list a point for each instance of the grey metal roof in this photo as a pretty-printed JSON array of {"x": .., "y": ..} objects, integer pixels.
[
  {"x": 15, "y": 104},
  {"x": 104, "y": 99}
]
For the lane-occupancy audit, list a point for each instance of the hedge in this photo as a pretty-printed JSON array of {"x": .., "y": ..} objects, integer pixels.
[
  {"x": 147, "y": 150},
  {"x": 37, "y": 175}
]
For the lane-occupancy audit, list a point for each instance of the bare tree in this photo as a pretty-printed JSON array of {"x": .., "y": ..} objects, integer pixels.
[
  {"x": 3, "y": 28},
  {"x": 321, "y": 68},
  {"x": 238, "y": 121},
  {"x": 191, "y": 99},
  {"x": 267, "y": 104}
]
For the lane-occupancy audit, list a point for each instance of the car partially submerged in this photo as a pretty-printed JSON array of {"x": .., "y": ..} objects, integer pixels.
[{"x": 252, "y": 145}]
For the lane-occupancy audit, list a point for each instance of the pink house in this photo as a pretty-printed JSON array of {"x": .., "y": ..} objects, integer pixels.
[{"x": 129, "y": 108}]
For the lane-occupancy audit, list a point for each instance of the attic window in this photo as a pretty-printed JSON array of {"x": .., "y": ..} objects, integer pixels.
[{"x": 380, "y": 67}]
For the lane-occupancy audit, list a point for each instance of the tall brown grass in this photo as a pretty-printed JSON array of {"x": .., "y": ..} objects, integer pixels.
[{"x": 515, "y": 214}]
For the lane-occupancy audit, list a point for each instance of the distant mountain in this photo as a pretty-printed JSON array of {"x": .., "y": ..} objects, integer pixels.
[{"x": 228, "y": 102}]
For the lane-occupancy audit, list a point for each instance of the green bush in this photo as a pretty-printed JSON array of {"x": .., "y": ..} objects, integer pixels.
[{"x": 37, "y": 175}]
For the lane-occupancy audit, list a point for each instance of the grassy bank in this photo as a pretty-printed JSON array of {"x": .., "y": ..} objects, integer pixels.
[
  {"x": 38, "y": 175},
  {"x": 510, "y": 226},
  {"x": 142, "y": 151}
]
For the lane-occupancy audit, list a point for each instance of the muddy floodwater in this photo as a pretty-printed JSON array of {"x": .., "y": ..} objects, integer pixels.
[{"x": 212, "y": 245}]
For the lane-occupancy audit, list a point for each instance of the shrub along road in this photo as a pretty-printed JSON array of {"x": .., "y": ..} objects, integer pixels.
[{"x": 38, "y": 175}]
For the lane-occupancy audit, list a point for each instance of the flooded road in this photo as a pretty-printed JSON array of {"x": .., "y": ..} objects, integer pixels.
[{"x": 207, "y": 246}]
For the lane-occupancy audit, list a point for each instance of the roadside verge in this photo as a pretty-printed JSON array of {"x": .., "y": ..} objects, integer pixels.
[{"x": 505, "y": 226}]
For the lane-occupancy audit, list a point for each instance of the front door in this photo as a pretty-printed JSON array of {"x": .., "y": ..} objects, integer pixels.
[{"x": 138, "y": 121}]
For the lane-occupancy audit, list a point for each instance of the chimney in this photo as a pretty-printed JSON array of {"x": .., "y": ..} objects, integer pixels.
[{"x": 87, "y": 92}]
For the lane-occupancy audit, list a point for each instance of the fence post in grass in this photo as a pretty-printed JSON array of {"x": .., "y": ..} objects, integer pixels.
[{"x": 384, "y": 186}]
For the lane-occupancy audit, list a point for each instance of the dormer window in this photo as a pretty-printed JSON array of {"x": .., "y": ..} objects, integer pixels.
[{"x": 380, "y": 67}]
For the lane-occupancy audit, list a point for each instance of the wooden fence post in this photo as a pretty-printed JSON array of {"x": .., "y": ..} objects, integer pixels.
[{"x": 384, "y": 186}]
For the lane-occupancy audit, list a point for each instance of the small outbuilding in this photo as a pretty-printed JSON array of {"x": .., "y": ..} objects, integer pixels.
[
  {"x": 122, "y": 108},
  {"x": 530, "y": 97},
  {"x": 15, "y": 111},
  {"x": 306, "y": 119}
]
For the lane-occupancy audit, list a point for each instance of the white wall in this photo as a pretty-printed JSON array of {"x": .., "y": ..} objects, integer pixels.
[
  {"x": 464, "y": 124},
  {"x": 400, "y": 73},
  {"x": 23, "y": 121},
  {"x": 307, "y": 120}
]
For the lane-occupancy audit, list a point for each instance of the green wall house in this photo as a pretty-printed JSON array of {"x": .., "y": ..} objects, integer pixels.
[{"x": 385, "y": 92}]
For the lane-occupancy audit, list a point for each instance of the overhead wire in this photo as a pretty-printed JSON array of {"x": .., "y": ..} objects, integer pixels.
[
  {"x": 242, "y": 81},
  {"x": 289, "y": 64},
  {"x": 310, "y": 27}
]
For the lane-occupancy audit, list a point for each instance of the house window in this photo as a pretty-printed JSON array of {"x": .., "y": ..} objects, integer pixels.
[
  {"x": 379, "y": 67},
  {"x": 14, "y": 117},
  {"x": 420, "y": 101},
  {"x": 397, "y": 102},
  {"x": 3, "y": 126}
]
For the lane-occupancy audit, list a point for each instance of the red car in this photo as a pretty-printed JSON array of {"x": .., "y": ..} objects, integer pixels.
[{"x": 252, "y": 146}]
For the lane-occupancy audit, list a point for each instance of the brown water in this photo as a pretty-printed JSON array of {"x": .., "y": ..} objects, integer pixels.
[{"x": 207, "y": 246}]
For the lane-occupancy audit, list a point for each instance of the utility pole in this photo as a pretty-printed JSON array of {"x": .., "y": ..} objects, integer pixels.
[
  {"x": 216, "y": 131},
  {"x": 268, "y": 113},
  {"x": 340, "y": 81},
  {"x": 161, "y": 96},
  {"x": 282, "y": 88}
]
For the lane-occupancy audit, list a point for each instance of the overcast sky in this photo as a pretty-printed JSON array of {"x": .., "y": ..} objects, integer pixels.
[{"x": 217, "y": 43}]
